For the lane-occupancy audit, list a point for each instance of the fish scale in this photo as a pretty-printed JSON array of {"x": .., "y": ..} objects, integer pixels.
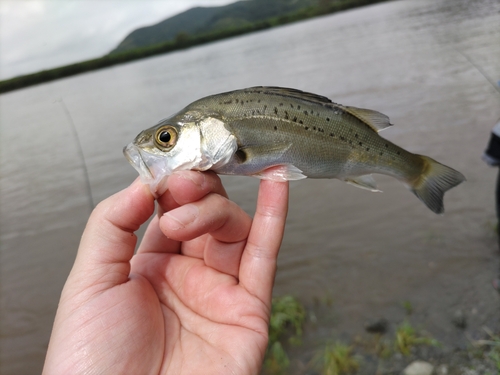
[
  {"x": 284, "y": 134},
  {"x": 315, "y": 119}
]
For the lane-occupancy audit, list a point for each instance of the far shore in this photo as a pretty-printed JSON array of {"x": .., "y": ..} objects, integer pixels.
[{"x": 181, "y": 42}]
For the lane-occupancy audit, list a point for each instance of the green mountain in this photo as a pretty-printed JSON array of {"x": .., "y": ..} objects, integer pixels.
[
  {"x": 203, "y": 20},
  {"x": 192, "y": 28}
]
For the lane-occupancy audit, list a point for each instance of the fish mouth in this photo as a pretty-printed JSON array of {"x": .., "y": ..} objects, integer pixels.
[
  {"x": 134, "y": 157},
  {"x": 152, "y": 170}
]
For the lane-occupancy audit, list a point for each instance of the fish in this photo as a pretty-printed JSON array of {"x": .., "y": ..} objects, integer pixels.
[{"x": 283, "y": 134}]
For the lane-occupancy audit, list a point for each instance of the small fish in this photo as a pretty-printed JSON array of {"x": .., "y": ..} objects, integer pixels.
[{"x": 284, "y": 134}]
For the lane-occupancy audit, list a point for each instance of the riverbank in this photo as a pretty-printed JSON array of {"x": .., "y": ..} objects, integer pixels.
[
  {"x": 383, "y": 348},
  {"x": 180, "y": 43}
]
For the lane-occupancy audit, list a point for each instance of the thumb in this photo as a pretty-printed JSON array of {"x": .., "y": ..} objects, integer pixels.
[{"x": 108, "y": 242}]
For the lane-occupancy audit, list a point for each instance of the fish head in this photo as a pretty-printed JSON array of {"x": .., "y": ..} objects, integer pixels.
[
  {"x": 159, "y": 151},
  {"x": 188, "y": 142}
]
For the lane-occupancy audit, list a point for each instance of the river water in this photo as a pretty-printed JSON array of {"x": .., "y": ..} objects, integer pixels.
[{"x": 349, "y": 255}]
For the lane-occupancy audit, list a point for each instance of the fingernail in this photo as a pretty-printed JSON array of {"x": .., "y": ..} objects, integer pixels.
[{"x": 182, "y": 216}]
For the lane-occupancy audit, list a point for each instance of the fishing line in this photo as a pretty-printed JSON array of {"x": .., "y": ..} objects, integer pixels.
[
  {"x": 80, "y": 152},
  {"x": 480, "y": 70}
]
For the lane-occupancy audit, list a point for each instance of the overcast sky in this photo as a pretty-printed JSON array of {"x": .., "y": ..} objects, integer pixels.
[{"x": 42, "y": 34}]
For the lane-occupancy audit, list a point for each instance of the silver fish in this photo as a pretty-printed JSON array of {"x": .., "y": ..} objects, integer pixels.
[{"x": 284, "y": 134}]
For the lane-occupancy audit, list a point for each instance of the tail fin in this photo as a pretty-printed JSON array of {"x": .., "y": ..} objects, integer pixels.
[{"x": 434, "y": 181}]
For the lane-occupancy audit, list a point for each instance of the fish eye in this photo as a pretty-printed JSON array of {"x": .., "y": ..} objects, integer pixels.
[{"x": 166, "y": 137}]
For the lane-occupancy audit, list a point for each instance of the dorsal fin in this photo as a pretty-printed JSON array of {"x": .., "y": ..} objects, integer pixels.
[
  {"x": 293, "y": 93},
  {"x": 375, "y": 120}
]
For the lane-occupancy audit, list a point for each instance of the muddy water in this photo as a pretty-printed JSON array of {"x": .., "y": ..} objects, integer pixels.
[{"x": 351, "y": 256}]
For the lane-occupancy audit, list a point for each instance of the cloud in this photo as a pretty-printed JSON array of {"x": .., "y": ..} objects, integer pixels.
[{"x": 42, "y": 34}]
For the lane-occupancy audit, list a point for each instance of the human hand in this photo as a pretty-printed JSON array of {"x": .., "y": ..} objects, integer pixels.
[{"x": 195, "y": 299}]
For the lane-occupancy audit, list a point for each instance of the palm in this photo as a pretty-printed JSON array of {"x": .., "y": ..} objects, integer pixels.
[
  {"x": 210, "y": 321},
  {"x": 194, "y": 299}
]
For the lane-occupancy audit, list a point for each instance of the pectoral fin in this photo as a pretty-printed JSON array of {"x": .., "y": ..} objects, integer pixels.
[{"x": 366, "y": 182}]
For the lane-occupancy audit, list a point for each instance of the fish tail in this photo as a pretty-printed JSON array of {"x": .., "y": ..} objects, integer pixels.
[{"x": 435, "y": 179}]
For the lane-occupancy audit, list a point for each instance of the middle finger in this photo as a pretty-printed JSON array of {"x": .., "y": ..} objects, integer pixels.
[{"x": 183, "y": 187}]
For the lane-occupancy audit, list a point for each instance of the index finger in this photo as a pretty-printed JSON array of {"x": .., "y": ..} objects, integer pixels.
[{"x": 258, "y": 262}]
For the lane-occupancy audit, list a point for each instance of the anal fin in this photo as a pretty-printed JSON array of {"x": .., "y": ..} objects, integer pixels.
[{"x": 366, "y": 182}]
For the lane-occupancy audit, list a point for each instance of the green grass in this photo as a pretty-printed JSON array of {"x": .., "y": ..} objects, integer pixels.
[
  {"x": 491, "y": 348},
  {"x": 338, "y": 359},
  {"x": 407, "y": 337},
  {"x": 287, "y": 319},
  {"x": 408, "y": 307},
  {"x": 276, "y": 361}
]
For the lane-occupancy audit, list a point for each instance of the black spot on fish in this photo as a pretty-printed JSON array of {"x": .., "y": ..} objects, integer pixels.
[
  {"x": 253, "y": 113},
  {"x": 386, "y": 145},
  {"x": 399, "y": 152},
  {"x": 306, "y": 127},
  {"x": 361, "y": 143},
  {"x": 228, "y": 102},
  {"x": 328, "y": 119},
  {"x": 332, "y": 135},
  {"x": 356, "y": 135},
  {"x": 368, "y": 149},
  {"x": 342, "y": 138},
  {"x": 298, "y": 107},
  {"x": 295, "y": 119},
  {"x": 291, "y": 105},
  {"x": 275, "y": 110},
  {"x": 301, "y": 122},
  {"x": 258, "y": 101},
  {"x": 321, "y": 130},
  {"x": 286, "y": 115},
  {"x": 265, "y": 107},
  {"x": 275, "y": 127},
  {"x": 236, "y": 100},
  {"x": 314, "y": 127},
  {"x": 381, "y": 153},
  {"x": 305, "y": 113},
  {"x": 242, "y": 103}
]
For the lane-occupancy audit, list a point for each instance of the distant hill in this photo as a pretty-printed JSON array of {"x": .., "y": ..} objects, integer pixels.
[
  {"x": 194, "y": 27},
  {"x": 201, "y": 20}
]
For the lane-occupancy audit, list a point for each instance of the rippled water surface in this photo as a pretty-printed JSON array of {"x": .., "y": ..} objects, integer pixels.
[{"x": 349, "y": 255}]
